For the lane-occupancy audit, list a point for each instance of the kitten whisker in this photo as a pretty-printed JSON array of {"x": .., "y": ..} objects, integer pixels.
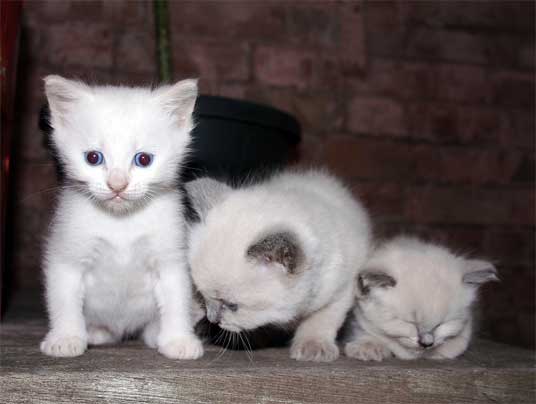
[{"x": 247, "y": 347}]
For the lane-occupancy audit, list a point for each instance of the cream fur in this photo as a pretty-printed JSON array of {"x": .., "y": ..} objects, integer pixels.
[
  {"x": 333, "y": 232},
  {"x": 432, "y": 298}
]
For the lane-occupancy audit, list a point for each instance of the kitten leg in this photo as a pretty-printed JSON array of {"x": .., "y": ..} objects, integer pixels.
[
  {"x": 366, "y": 348},
  {"x": 100, "y": 336},
  {"x": 64, "y": 294},
  {"x": 150, "y": 334},
  {"x": 314, "y": 339},
  {"x": 176, "y": 339},
  {"x": 198, "y": 312}
]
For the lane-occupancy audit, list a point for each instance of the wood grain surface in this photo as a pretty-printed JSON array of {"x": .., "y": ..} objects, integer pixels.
[{"x": 131, "y": 373}]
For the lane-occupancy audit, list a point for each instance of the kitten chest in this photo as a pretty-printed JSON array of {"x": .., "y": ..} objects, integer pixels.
[{"x": 119, "y": 281}]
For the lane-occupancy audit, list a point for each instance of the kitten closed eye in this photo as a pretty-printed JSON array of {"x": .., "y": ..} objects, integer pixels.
[
  {"x": 230, "y": 306},
  {"x": 449, "y": 329}
]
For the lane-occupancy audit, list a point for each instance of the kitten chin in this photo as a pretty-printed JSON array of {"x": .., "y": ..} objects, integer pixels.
[
  {"x": 279, "y": 252},
  {"x": 414, "y": 300},
  {"x": 109, "y": 273}
]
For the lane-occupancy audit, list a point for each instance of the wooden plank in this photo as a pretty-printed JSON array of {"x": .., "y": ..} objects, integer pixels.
[{"x": 130, "y": 372}]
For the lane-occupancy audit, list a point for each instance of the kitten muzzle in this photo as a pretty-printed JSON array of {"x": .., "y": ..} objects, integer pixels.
[
  {"x": 214, "y": 310},
  {"x": 426, "y": 340}
]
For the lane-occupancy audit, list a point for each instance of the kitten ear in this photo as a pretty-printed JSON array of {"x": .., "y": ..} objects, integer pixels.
[
  {"x": 61, "y": 93},
  {"x": 206, "y": 193},
  {"x": 374, "y": 278},
  {"x": 179, "y": 99},
  {"x": 479, "y": 272},
  {"x": 278, "y": 248}
]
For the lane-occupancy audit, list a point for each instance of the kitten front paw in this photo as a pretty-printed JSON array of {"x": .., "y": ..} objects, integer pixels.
[
  {"x": 314, "y": 350},
  {"x": 366, "y": 351},
  {"x": 184, "y": 347},
  {"x": 63, "y": 346}
]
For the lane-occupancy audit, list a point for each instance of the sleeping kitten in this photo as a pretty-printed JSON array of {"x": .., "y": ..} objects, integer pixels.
[
  {"x": 414, "y": 300},
  {"x": 114, "y": 261},
  {"x": 283, "y": 252}
]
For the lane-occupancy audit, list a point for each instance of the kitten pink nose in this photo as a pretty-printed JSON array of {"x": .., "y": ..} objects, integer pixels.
[{"x": 117, "y": 180}]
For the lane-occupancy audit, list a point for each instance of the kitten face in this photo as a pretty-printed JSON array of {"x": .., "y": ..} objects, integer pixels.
[
  {"x": 417, "y": 296},
  {"x": 119, "y": 145},
  {"x": 248, "y": 279},
  {"x": 243, "y": 295}
]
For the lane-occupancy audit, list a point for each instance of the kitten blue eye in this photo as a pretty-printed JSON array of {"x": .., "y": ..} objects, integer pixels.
[
  {"x": 142, "y": 159},
  {"x": 94, "y": 157}
]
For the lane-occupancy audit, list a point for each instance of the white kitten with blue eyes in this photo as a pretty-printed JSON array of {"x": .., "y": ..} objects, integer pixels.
[
  {"x": 414, "y": 300},
  {"x": 114, "y": 261}
]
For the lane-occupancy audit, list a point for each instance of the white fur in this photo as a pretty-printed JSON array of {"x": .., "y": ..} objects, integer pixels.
[
  {"x": 333, "y": 231},
  {"x": 115, "y": 264},
  {"x": 431, "y": 296}
]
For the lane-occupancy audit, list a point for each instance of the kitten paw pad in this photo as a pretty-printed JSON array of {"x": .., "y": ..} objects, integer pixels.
[
  {"x": 187, "y": 347},
  {"x": 314, "y": 350},
  {"x": 69, "y": 346},
  {"x": 366, "y": 351}
]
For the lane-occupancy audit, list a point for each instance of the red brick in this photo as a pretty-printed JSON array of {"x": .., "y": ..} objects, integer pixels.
[
  {"x": 452, "y": 46},
  {"x": 35, "y": 13},
  {"x": 316, "y": 112},
  {"x": 428, "y": 204},
  {"x": 136, "y": 51},
  {"x": 283, "y": 67},
  {"x": 352, "y": 47},
  {"x": 34, "y": 193},
  {"x": 381, "y": 78},
  {"x": 448, "y": 123},
  {"x": 462, "y": 165},
  {"x": 513, "y": 246},
  {"x": 514, "y": 89},
  {"x": 524, "y": 129},
  {"x": 233, "y": 89},
  {"x": 376, "y": 116},
  {"x": 299, "y": 18},
  {"x": 128, "y": 13},
  {"x": 523, "y": 207},
  {"x": 77, "y": 43},
  {"x": 516, "y": 16},
  {"x": 424, "y": 81},
  {"x": 383, "y": 199},
  {"x": 366, "y": 158},
  {"x": 433, "y": 121},
  {"x": 210, "y": 60},
  {"x": 357, "y": 158},
  {"x": 228, "y": 20},
  {"x": 527, "y": 54},
  {"x": 462, "y": 83},
  {"x": 89, "y": 10},
  {"x": 310, "y": 151},
  {"x": 484, "y": 126},
  {"x": 385, "y": 33}
]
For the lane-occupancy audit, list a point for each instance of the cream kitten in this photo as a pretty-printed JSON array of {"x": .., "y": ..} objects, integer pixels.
[
  {"x": 282, "y": 252},
  {"x": 414, "y": 300},
  {"x": 115, "y": 260}
]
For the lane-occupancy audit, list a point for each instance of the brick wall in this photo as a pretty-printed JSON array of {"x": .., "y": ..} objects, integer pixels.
[{"x": 425, "y": 108}]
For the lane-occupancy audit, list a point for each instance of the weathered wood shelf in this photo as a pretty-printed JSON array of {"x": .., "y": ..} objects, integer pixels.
[{"x": 130, "y": 372}]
